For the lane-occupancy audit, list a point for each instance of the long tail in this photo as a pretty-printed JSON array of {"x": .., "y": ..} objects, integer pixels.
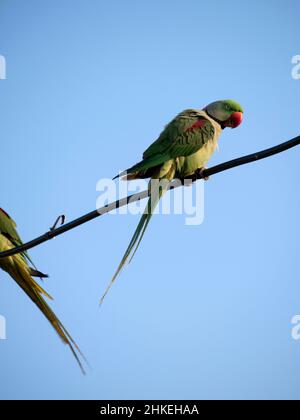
[
  {"x": 21, "y": 273},
  {"x": 154, "y": 197}
]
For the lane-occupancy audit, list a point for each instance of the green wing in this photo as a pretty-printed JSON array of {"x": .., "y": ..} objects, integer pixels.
[
  {"x": 8, "y": 228},
  {"x": 179, "y": 139}
]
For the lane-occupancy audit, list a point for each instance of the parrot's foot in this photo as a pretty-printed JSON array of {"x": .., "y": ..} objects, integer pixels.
[{"x": 200, "y": 173}]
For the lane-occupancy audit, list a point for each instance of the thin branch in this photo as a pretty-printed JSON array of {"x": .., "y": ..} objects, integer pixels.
[{"x": 56, "y": 231}]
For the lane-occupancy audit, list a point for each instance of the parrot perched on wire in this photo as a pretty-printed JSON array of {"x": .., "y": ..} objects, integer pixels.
[
  {"x": 17, "y": 266},
  {"x": 185, "y": 146}
]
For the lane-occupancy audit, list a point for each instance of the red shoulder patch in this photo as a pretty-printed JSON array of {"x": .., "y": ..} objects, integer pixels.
[
  {"x": 198, "y": 124},
  {"x": 6, "y": 214}
]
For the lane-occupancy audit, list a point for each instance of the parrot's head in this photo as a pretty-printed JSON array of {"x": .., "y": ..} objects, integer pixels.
[{"x": 227, "y": 113}]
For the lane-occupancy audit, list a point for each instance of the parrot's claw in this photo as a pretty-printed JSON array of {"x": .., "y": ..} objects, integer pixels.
[
  {"x": 200, "y": 173},
  {"x": 59, "y": 221}
]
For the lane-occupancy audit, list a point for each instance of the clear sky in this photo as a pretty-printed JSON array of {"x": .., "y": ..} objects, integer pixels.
[{"x": 202, "y": 311}]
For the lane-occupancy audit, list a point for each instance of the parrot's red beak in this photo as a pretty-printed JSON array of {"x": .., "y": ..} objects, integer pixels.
[{"x": 235, "y": 120}]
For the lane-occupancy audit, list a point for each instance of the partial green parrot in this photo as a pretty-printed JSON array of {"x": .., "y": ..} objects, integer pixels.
[
  {"x": 17, "y": 266},
  {"x": 185, "y": 146}
]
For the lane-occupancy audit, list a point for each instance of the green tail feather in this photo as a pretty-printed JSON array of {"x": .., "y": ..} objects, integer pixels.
[{"x": 138, "y": 234}]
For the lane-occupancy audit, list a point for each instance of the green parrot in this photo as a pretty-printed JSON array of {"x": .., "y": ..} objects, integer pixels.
[
  {"x": 17, "y": 266},
  {"x": 185, "y": 146}
]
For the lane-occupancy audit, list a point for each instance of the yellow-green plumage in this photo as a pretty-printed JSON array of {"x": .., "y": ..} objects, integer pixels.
[
  {"x": 185, "y": 145},
  {"x": 18, "y": 268}
]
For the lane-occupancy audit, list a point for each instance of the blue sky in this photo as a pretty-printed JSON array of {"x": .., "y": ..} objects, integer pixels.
[{"x": 203, "y": 311}]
